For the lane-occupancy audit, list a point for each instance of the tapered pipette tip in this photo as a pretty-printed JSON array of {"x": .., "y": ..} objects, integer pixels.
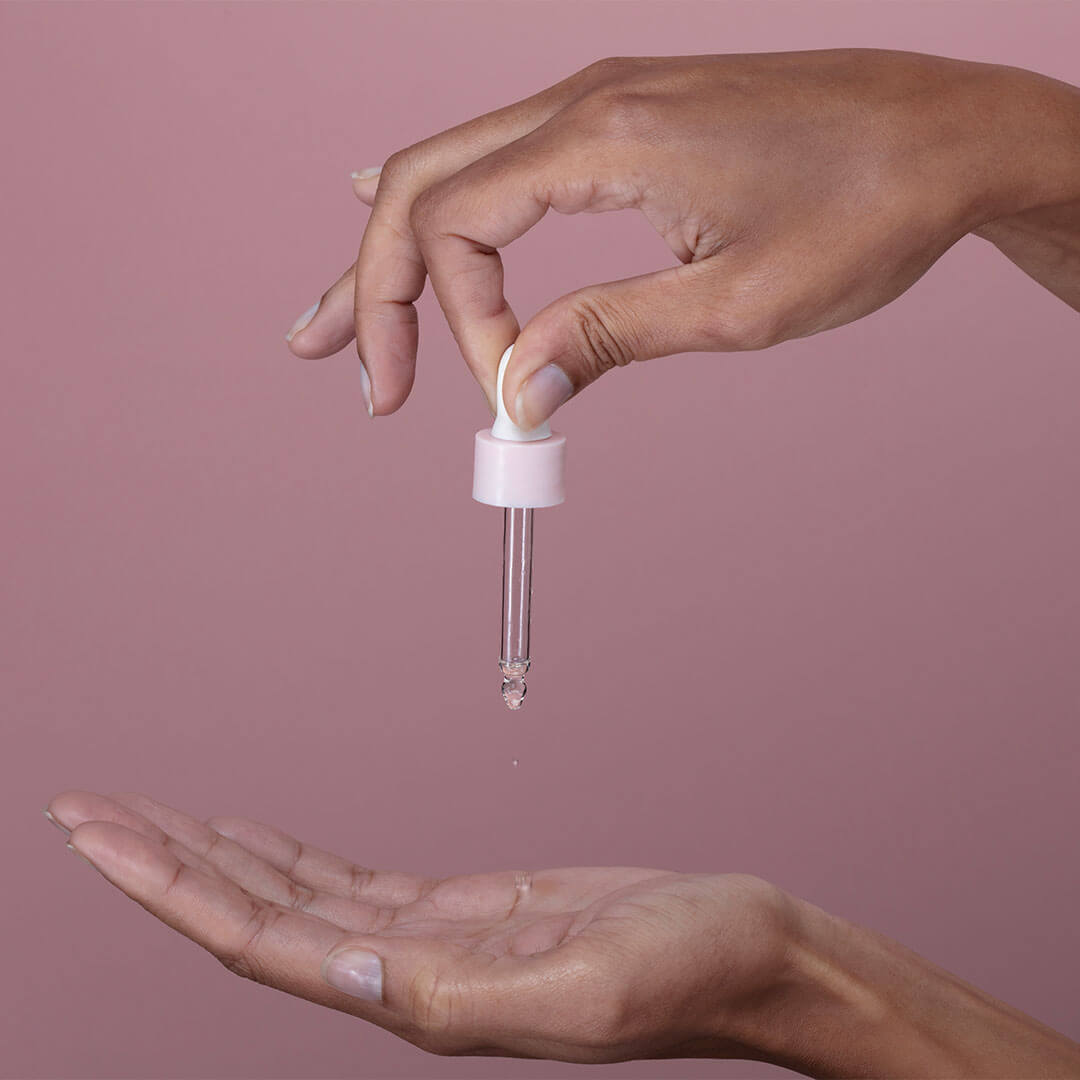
[
  {"x": 513, "y": 692},
  {"x": 513, "y": 684}
]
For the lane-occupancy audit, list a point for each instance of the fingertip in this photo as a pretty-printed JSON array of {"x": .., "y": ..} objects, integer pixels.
[
  {"x": 365, "y": 193},
  {"x": 304, "y": 345},
  {"x": 94, "y": 841},
  {"x": 388, "y": 388},
  {"x": 93, "y": 831},
  {"x": 80, "y": 855},
  {"x": 69, "y": 809},
  {"x": 356, "y": 971},
  {"x": 53, "y": 821},
  {"x": 324, "y": 336},
  {"x": 126, "y": 858},
  {"x": 387, "y": 408},
  {"x": 225, "y": 826},
  {"x": 542, "y": 393},
  {"x": 302, "y": 322},
  {"x": 370, "y": 174},
  {"x": 365, "y": 184},
  {"x": 365, "y": 389},
  {"x": 541, "y": 374}
]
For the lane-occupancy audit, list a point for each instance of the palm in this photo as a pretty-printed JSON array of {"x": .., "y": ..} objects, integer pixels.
[{"x": 272, "y": 908}]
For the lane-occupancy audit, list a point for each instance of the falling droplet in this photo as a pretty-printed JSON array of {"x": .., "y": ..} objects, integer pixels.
[{"x": 514, "y": 763}]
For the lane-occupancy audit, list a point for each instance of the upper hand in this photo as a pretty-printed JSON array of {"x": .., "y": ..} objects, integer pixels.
[
  {"x": 799, "y": 191},
  {"x": 581, "y": 965}
]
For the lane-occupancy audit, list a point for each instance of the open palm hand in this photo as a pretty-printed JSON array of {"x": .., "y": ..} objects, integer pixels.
[{"x": 586, "y": 964}]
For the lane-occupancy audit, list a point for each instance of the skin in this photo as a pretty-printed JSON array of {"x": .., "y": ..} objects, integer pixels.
[
  {"x": 585, "y": 965},
  {"x": 798, "y": 192}
]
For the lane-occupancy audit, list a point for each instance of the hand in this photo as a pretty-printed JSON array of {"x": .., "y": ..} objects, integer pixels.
[
  {"x": 584, "y": 965},
  {"x": 588, "y": 965},
  {"x": 799, "y": 191}
]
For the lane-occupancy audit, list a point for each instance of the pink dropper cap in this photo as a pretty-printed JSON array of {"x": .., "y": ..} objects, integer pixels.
[{"x": 514, "y": 467}]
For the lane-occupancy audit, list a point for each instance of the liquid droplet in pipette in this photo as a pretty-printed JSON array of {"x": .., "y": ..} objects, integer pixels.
[
  {"x": 513, "y": 692},
  {"x": 513, "y": 684}
]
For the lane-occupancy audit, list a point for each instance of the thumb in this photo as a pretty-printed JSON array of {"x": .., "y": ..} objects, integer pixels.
[
  {"x": 437, "y": 994},
  {"x": 574, "y": 340}
]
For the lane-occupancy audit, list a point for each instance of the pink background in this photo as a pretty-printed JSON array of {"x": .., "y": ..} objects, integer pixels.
[{"x": 811, "y": 613}]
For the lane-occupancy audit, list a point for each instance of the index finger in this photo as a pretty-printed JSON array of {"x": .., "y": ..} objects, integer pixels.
[
  {"x": 462, "y": 222},
  {"x": 391, "y": 269},
  {"x": 430, "y": 991},
  {"x": 251, "y": 937}
]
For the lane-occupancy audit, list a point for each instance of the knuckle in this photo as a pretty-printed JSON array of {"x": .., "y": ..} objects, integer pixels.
[
  {"x": 360, "y": 879},
  {"x": 606, "y": 1022},
  {"x": 295, "y": 857},
  {"x": 434, "y": 1004},
  {"x": 397, "y": 169},
  {"x": 756, "y": 308},
  {"x": 439, "y": 1046},
  {"x": 243, "y": 960},
  {"x": 762, "y": 331},
  {"x": 609, "y": 67},
  {"x": 616, "y": 113},
  {"x": 213, "y": 841},
  {"x": 178, "y": 875},
  {"x": 600, "y": 342},
  {"x": 746, "y": 327},
  {"x": 237, "y": 965},
  {"x": 299, "y": 896},
  {"x": 424, "y": 211}
]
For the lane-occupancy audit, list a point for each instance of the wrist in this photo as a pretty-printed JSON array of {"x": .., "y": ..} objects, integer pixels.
[
  {"x": 850, "y": 1002},
  {"x": 835, "y": 1010},
  {"x": 1015, "y": 138}
]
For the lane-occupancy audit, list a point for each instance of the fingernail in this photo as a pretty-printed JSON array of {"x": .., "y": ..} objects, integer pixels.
[
  {"x": 302, "y": 321},
  {"x": 356, "y": 972},
  {"x": 366, "y": 174},
  {"x": 74, "y": 851},
  {"x": 365, "y": 389},
  {"x": 544, "y": 391},
  {"x": 63, "y": 828}
]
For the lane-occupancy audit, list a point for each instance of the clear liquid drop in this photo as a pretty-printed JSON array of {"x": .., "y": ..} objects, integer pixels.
[
  {"x": 513, "y": 692},
  {"x": 513, "y": 684},
  {"x": 514, "y": 763}
]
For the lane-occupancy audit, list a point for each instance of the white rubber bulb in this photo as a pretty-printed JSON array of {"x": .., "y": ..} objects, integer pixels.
[{"x": 504, "y": 427}]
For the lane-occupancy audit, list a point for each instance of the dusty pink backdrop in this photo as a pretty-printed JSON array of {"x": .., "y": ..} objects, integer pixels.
[{"x": 814, "y": 616}]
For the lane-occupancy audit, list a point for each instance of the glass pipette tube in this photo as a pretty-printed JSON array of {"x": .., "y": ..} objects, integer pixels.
[{"x": 516, "y": 603}]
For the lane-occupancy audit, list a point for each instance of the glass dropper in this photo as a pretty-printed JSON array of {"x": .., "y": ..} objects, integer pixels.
[
  {"x": 516, "y": 603},
  {"x": 519, "y": 470}
]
